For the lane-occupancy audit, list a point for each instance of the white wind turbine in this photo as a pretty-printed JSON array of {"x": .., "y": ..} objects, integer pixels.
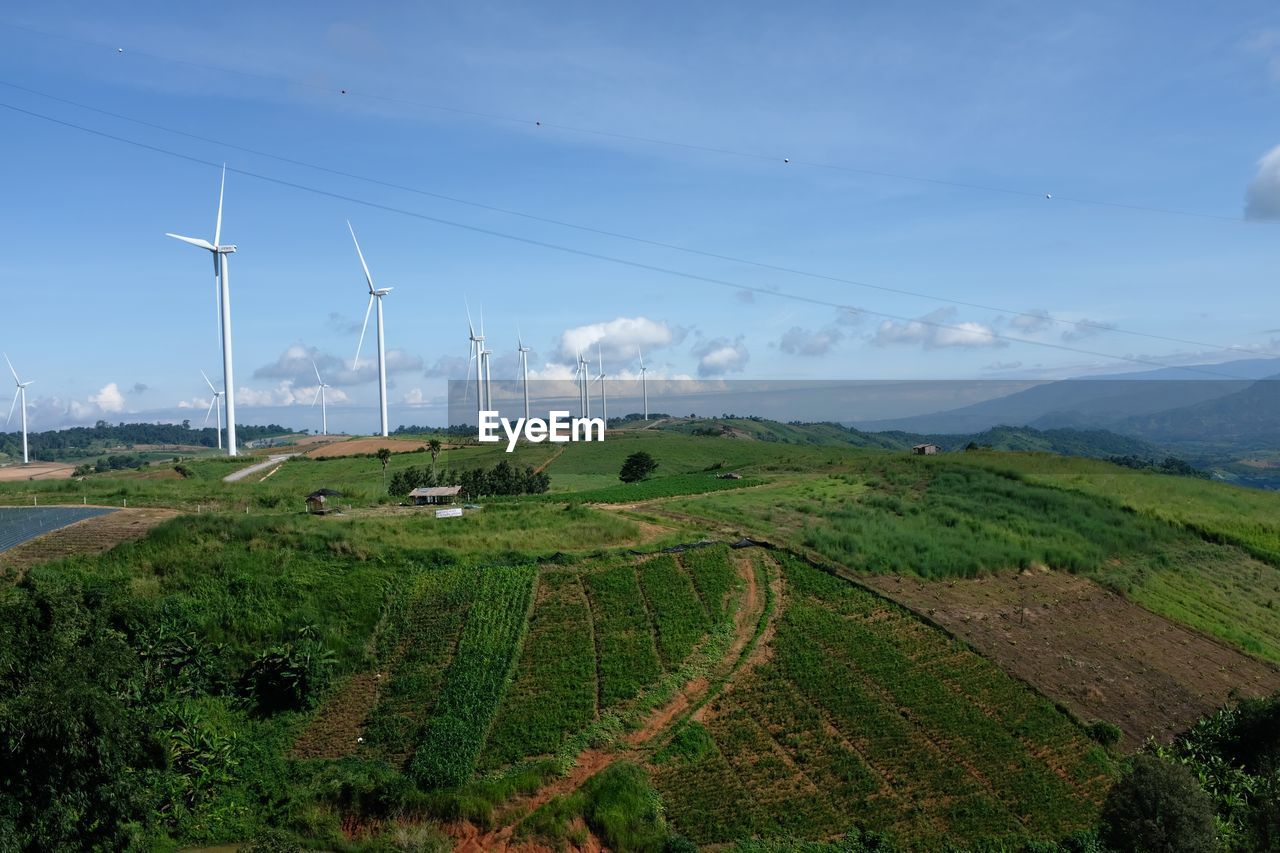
[
  {"x": 20, "y": 394},
  {"x": 604, "y": 400},
  {"x": 477, "y": 355},
  {"x": 324, "y": 413},
  {"x": 216, "y": 402},
  {"x": 584, "y": 388},
  {"x": 524, "y": 369},
  {"x": 644, "y": 387},
  {"x": 220, "y": 253},
  {"x": 375, "y": 294}
]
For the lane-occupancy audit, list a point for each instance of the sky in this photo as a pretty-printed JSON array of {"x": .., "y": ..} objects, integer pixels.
[{"x": 860, "y": 193}]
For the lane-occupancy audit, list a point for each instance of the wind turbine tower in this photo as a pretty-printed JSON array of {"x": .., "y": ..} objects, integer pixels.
[
  {"x": 644, "y": 387},
  {"x": 324, "y": 413},
  {"x": 584, "y": 379},
  {"x": 524, "y": 370},
  {"x": 477, "y": 355},
  {"x": 20, "y": 394},
  {"x": 220, "y": 273},
  {"x": 216, "y": 402},
  {"x": 604, "y": 400},
  {"x": 375, "y": 295}
]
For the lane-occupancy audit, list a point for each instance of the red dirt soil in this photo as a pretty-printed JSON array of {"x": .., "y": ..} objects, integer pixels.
[
  {"x": 1099, "y": 654},
  {"x": 36, "y": 471},
  {"x": 357, "y": 446}
]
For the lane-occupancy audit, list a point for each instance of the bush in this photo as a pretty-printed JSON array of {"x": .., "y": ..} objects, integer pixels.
[
  {"x": 289, "y": 676},
  {"x": 1158, "y": 806},
  {"x": 637, "y": 467},
  {"x": 1106, "y": 734}
]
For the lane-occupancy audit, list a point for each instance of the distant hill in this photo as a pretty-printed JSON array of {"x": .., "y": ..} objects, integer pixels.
[
  {"x": 1247, "y": 417},
  {"x": 1102, "y": 402}
]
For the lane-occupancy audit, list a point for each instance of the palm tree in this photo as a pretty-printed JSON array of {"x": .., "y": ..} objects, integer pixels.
[
  {"x": 384, "y": 456},
  {"x": 435, "y": 447}
]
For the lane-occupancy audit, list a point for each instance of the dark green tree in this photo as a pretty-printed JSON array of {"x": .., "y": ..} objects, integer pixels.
[
  {"x": 1158, "y": 806},
  {"x": 384, "y": 456},
  {"x": 434, "y": 446},
  {"x": 638, "y": 466}
]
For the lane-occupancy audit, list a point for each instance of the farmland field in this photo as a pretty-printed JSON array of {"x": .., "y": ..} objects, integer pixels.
[{"x": 863, "y": 717}]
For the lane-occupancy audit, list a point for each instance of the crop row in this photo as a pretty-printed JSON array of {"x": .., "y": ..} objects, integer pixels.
[
  {"x": 659, "y": 487},
  {"x": 678, "y": 615},
  {"x": 433, "y": 616},
  {"x": 554, "y": 690},
  {"x": 627, "y": 657},
  {"x": 476, "y": 679},
  {"x": 713, "y": 575}
]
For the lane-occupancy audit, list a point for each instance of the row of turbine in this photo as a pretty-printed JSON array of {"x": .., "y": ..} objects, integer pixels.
[
  {"x": 582, "y": 376},
  {"x": 222, "y": 290}
]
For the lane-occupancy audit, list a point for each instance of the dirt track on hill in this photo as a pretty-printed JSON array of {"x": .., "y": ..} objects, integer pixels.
[
  {"x": 1099, "y": 654},
  {"x": 357, "y": 446},
  {"x": 36, "y": 471}
]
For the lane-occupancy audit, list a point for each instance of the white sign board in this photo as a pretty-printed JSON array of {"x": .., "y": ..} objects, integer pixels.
[{"x": 452, "y": 512}]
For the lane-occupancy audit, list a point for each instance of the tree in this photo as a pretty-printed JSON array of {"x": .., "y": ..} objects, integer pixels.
[
  {"x": 384, "y": 456},
  {"x": 637, "y": 467},
  {"x": 1158, "y": 806},
  {"x": 435, "y": 447}
]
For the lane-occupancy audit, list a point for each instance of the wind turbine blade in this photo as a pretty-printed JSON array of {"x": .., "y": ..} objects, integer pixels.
[
  {"x": 482, "y": 319},
  {"x": 355, "y": 364},
  {"x": 466, "y": 382},
  {"x": 11, "y": 370},
  {"x": 207, "y": 382},
  {"x": 210, "y": 411},
  {"x": 217, "y": 229},
  {"x": 471, "y": 327},
  {"x": 639, "y": 353},
  {"x": 519, "y": 338},
  {"x": 367, "y": 277},
  {"x": 195, "y": 241},
  {"x": 316, "y": 399},
  {"x": 12, "y": 406},
  {"x": 317, "y": 370}
]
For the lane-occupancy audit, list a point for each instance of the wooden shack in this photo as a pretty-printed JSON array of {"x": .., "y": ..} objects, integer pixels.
[
  {"x": 925, "y": 449},
  {"x": 435, "y": 495},
  {"x": 321, "y": 501}
]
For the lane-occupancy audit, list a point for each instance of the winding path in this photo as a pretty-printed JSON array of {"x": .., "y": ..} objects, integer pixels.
[{"x": 261, "y": 466}]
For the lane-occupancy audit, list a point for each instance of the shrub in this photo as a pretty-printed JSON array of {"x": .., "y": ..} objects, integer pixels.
[
  {"x": 1106, "y": 734},
  {"x": 1158, "y": 806},
  {"x": 289, "y": 676},
  {"x": 637, "y": 467}
]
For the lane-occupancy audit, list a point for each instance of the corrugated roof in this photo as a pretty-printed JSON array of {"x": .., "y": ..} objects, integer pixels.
[{"x": 436, "y": 492}]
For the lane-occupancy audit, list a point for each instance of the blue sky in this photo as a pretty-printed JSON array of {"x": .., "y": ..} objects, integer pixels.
[{"x": 1170, "y": 110}]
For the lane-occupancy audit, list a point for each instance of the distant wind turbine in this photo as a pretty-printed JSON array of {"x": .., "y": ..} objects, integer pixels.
[
  {"x": 216, "y": 402},
  {"x": 584, "y": 389},
  {"x": 524, "y": 369},
  {"x": 604, "y": 400},
  {"x": 20, "y": 394},
  {"x": 220, "y": 253},
  {"x": 477, "y": 355},
  {"x": 644, "y": 387},
  {"x": 324, "y": 414},
  {"x": 375, "y": 295}
]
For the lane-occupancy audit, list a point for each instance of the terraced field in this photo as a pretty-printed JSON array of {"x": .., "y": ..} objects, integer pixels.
[{"x": 864, "y": 717}]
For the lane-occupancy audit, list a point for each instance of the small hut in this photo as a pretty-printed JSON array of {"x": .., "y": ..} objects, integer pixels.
[
  {"x": 925, "y": 449},
  {"x": 435, "y": 495},
  {"x": 320, "y": 501}
]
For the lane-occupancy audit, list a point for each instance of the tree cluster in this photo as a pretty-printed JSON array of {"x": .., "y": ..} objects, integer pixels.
[{"x": 502, "y": 479}]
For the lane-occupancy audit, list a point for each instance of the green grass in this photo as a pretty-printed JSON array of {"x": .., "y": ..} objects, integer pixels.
[
  {"x": 657, "y": 487},
  {"x": 714, "y": 578},
  {"x": 866, "y": 717},
  {"x": 554, "y": 691},
  {"x": 679, "y": 618},
  {"x": 628, "y": 659},
  {"x": 477, "y": 676}
]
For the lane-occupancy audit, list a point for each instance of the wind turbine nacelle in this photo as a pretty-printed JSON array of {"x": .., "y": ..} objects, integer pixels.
[{"x": 226, "y": 250}]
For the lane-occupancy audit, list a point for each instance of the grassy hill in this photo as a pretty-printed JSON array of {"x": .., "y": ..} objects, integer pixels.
[{"x": 561, "y": 668}]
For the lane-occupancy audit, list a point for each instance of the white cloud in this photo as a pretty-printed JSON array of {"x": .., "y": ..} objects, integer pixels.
[
  {"x": 937, "y": 330},
  {"x": 811, "y": 342},
  {"x": 1262, "y": 198},
  {"x": 284, "y": 394},
  {"x": 618, "y": 338},
  {"x": 1086, "y": 328},
  {"x": 109, "y": 399},
  {"x": 1031, "y": 321},
  {"x": 414, "y": 397},
  {"x": 719, "y": 356},
  {"x": 294, "y": 365}
]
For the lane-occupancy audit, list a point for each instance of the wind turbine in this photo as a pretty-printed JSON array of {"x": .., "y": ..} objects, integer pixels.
[
  {"x": 324, "y": 414},
  {"x": 215, "y": 402},
  {"x": 584, "y": 379},
  {"x": 21, "y": 393},
  {"x": 375, "y": 294},
  {"x": 644, "y": 387},
  {"x": 220, "y": 253},
  {"x": 524, "y": 369},
  {"x": 477, "y": 355},
  {"x": 604, "y": 400}
]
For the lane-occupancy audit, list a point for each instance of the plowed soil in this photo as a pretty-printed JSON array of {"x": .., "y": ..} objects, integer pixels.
[
  {"x": 36, "y": 471},
  {"x": 1095, "y": 652},
  {"x": 357, "y": 446},
  {"x": 91, "y": 536}
]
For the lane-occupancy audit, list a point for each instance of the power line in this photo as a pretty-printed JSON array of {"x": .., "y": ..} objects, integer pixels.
[
  {"x": 1037, "y": 317},
  {"x": 737, "y": 286},
  {"x": 645, "y": 140}
]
